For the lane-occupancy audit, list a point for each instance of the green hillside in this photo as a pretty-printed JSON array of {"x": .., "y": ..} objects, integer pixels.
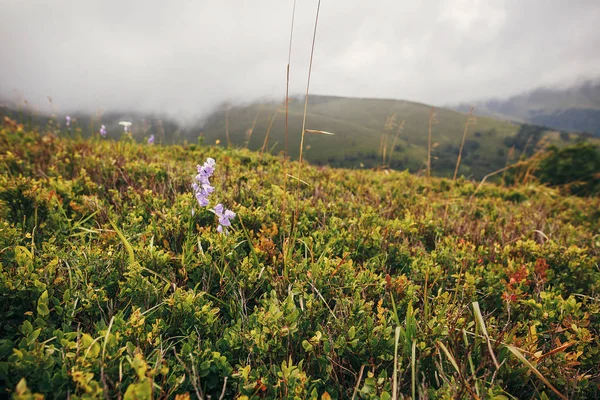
[
  {"x": 362, "y": 129},
  {"x": 360, "y": 126},
  {"x": 114, "y": 283}
]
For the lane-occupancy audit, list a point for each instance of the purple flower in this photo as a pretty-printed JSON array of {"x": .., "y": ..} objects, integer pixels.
[
  {"x": 68, "y": 120},
  {"x": 201, "y": 185},
  {"x": 103, "y": 131},
  {"x": 225, "y": 217},
  {"x": 151, "y": 139}
]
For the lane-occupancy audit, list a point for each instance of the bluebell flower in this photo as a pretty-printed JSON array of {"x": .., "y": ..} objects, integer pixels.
[
  {"x": 151, "y": 139},
  {"x": 103, "y": 131},
  {"x": 201, "y": 185},
  {"x": 68, "y": 120},
  {"x": 225, "y": 216}
]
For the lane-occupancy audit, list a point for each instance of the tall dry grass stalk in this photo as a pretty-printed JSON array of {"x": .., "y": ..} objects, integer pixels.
[
  {"x": 251, "y": 130},
  {"x": 287, "y": 82},
  {"x": 388, "y": 127},
  {"x": 535, "y": 159},
  {"x": 430, "y": 125},
  {"x": 312, "y": 52},
  {"x": 385, "y": 142},
  {"x": 470, "y": 120},
  {"x": 509, "y": 157},
  {"x": 523, "y": 154},
  {"x": 270, "y": 121},
  {"x": 227, "y": 126},
  {"x": 300, "y": 159},
  {"x": 380, "y": 151},
  {"x": 398, "y": 132},
  {"x": 285, "y": 154}
]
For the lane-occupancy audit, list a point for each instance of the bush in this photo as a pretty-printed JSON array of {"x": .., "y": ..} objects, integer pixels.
[{"x": 576, "y": 168}]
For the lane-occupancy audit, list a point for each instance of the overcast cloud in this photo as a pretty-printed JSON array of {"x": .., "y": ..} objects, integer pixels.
[{"x": 184, "y": 57}]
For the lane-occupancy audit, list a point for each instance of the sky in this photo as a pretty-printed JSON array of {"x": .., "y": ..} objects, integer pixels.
[{"x": 185, "y": 57}]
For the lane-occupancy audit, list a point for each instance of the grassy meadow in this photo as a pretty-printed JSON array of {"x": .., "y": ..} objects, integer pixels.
[
  {"x": 331, "y": 283},
  {"x": 367, "y": 133}
]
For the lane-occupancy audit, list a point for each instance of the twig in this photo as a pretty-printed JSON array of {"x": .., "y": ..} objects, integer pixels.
[
  {"x": 192, "y": 376},
  {"x": 360, "y": 374},
  {"x": 223, "y": 391}
]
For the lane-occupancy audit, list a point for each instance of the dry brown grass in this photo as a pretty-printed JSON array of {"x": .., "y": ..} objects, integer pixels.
[
  {"x": 471, "y": 120},
  {"x": 432, "y": 120},
  {"x": 227, "y": 126},
  {"x": 312, "y": 52},
  {"x": 251, "y": 129},
  {"x": 285, "y": 155},
  {"x": 270, "y": 121},
  {"x": 398, "y": 132}
]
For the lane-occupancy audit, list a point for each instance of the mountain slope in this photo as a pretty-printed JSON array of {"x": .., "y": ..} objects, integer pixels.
[
  {"x": 368, "y": 133},
  {"x": 360, "y": 126},
  {"x": 573, "y": 109}
]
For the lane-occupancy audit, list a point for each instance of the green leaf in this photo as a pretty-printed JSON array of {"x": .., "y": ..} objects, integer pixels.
[
  {"x": 140, "y": 366},
  {"x": 205, "y": 365},
  {"x": 139, "y": 391},
  {"x": 32, "y": 337},
  {"x": 26, "y": 328},
  {"x": 43, "y": 310},
  {"x": 42, "y": 307},
  {"x": 307, "y": 346},
  {"x": 24, "y": 257}
]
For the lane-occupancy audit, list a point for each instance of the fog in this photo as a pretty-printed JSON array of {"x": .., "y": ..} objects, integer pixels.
[{"x": 183, "y": 58}]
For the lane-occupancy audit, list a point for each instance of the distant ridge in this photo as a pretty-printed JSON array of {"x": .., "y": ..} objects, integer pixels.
[{"x": 576, "y": 108}]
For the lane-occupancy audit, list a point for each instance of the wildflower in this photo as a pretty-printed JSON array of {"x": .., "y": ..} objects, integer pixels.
[
  {"x": 103, "y": 131},
  {"x": 68, "y": 120},
  {"x": 225, "y": 217},
  {"x": 126, "y": 125},
  {"x": 151, "y": 139},
  {"x": 201, "y": 185}
]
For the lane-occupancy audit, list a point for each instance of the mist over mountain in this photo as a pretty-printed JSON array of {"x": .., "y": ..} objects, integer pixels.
[
  {"x": 216, "y": 71},
  {"x": 575, "y": 108},
  {"x": 182, "y": 59}
]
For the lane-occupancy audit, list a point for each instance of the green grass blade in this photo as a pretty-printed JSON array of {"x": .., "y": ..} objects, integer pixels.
[
  {"x": 533, "y": 369},
  {"x": 395, "y": 376},
  {"x": 481, "y": 324},
  {"x": 124, "y": 241}
]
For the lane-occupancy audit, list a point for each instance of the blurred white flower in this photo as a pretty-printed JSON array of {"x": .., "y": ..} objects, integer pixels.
[{"x": 126, "y": 125}]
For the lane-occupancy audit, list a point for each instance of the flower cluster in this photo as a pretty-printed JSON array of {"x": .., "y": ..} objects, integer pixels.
[
  {"x": 225, "y": 217},
  {"x": 103, "y": 131},
  {"x": 68, "y": 120},
  {"x": 201, "y": 185},
  {"x": 203, "y": 189},
  {"x": 151, "y": 139}
]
